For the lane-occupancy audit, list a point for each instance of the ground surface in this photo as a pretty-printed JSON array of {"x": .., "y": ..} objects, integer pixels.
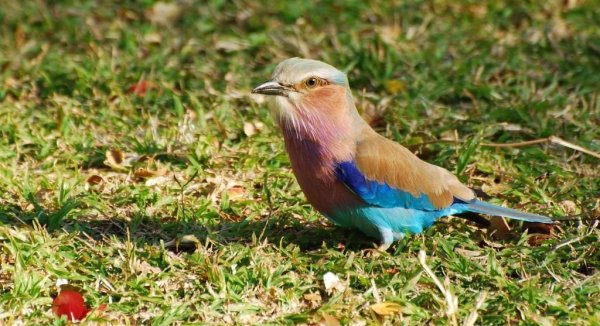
[{"x": 125, "y": 126}]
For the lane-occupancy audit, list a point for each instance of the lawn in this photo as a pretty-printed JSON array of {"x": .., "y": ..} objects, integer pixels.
[{"x": 136, "y": 165}]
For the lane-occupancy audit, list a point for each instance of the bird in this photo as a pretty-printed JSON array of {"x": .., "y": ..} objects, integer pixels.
[{"x": 354, "y": 176}]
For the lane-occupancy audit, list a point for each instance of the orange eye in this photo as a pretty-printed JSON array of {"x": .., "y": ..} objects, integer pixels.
[{"x": 313, "y": 82}]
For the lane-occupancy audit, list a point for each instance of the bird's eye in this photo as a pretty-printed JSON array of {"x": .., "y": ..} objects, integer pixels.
[{"x": 311, "y": 82}]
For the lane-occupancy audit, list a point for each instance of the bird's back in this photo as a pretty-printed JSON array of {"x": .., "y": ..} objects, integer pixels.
[{"x": 388, "y": 162}]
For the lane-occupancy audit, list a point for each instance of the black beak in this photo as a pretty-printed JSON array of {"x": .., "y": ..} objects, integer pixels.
[{"x": 272, "y": 88}]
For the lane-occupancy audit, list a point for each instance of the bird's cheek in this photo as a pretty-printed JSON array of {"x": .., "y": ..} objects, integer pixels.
[
  {"x": 294, "y": 98},
  {"x": 283, "y": 105}
]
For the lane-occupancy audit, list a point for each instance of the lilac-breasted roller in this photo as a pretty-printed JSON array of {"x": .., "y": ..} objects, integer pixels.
[{"x": 351, "y": 174}]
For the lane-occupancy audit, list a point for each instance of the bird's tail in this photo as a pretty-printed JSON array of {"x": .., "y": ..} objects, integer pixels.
[{"x": 490, "y": 209}]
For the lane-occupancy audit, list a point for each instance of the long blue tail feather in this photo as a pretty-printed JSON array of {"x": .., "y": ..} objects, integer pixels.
[{"x": 491, "y": 209}]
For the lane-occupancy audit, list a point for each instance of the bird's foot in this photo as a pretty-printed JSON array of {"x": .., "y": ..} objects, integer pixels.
[
  {"x": 376, "y": 252},
  {"x": 383, "y": 247}
]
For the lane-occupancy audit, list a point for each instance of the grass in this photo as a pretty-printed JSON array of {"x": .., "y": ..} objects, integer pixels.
[{"x": 173, "y": 202}]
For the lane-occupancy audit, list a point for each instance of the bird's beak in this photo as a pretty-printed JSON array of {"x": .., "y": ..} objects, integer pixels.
[{"x": 272, "y": 88}]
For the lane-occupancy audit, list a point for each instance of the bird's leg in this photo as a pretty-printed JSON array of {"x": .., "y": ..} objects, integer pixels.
[{"x": 386, "y": 239}]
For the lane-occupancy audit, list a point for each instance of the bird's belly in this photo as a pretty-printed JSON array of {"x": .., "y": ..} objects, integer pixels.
[{"x": 329, "y": 197}]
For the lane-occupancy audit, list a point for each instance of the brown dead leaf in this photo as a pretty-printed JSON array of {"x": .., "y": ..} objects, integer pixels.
[
  {"x": 389, "y": 33},
  {"x": 568, "y": 206},
  {"x": 468, "y": 253},
  {"x": 329, "y": 320},
  {"x": 536, "y": 240},
  {"x": 187, "y": 242},
  {"x": 499, "y": 228},
  {"x": 560, "y": 28},
  {"x": 140, "y": 88},
  {"x": 114, "y": 158},
  {"x": 230, "y": 45},
  {"x": 236, "y": 193},
  {"x": 478, "y": 10},
  {"x": 153, "y": 38},
  {"x": 164, "y": 13},
  {"x": 142, "y": 267},
  {"x": 539, "y": 228},
  {"x": 314, "y": 299},
  {"x": 491, "y": 244},
  {"x": 143, "y": 173},
  {"x": 119, "y": 160},
  {"x": 386, "y": 308},
  {"x": 394, "y": 86},
  {"x": 94, "y": 181},
  {"x": 494, "y": 188},
  {"x": 20, "y": 38},
  {"x": 391, "y": 271},
  {"x": 312, "y": 296}
]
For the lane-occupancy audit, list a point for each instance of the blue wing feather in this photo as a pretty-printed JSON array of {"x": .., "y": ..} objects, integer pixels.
[{"x": 376, "y": 193}]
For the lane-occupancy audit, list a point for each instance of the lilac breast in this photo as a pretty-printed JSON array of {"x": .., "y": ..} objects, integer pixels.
[{"x": 314, "y": 168}]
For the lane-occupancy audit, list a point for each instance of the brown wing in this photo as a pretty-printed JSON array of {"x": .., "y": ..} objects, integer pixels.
[{"x": 386, "y": 161}]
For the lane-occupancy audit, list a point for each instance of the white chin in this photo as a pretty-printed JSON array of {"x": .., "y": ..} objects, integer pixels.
[{"x": 284, "y": 107}]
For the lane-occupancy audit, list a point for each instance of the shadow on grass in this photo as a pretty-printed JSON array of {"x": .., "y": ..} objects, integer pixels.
[
  {"x": 149, "y": 230},
  {"x": 309, "y": 236}
]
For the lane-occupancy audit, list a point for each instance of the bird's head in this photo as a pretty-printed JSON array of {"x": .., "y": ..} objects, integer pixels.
[{"x": 305, "y": 89}]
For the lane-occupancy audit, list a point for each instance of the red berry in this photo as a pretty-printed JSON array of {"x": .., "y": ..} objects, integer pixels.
[{"x": 71, "y": 304}]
